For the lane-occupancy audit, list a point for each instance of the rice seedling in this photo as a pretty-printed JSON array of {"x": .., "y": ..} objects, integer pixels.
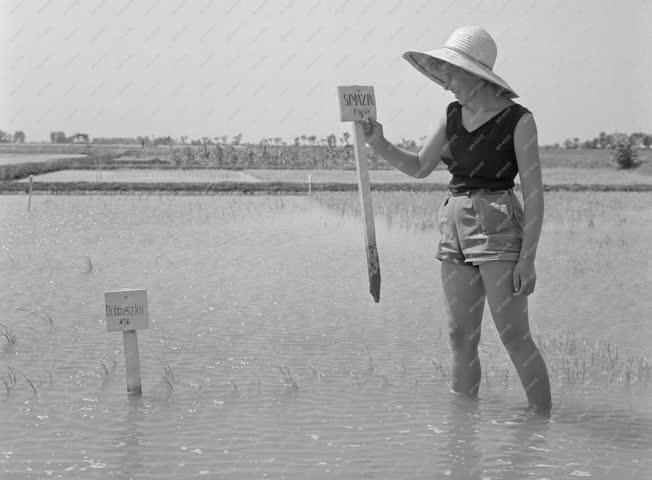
[
  {"x": 41, "y": 381},
  {"x": 643, "y": 367},
  {"x": 168, "y": 374},
  {"x": 403, "y": 367},
  {"x": 89, "y": 265},
  {"x": 315, "y": 371},
  {"x": 10, "y": 381},
  {"x": 31, "y": 384},
  {"x": 439, "y": 367},
  {"x": 613, "y": 356},
  {"x": 626, "y": 373},
  {"x": 46, "y": 316},
  {"x": 371, "y": 368},
  {"x": 589, "y": 361},
  {"x": 288, "y": 380},
  {"x": 235, "y": 386},
  {"x": 9, "y": 334},
  {"x": 385, "y": 384},
  {"x": 104, "y": 371}
]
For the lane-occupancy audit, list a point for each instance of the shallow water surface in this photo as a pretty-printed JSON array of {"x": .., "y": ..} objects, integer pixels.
[
  {"x": 14, "y": 158},
  {"x": 241, "y": 287},
  {"x": 551, "y": 176}
]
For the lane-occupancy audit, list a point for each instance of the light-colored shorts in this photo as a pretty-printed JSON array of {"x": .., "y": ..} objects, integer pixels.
[{"x": 480, "y": 225}]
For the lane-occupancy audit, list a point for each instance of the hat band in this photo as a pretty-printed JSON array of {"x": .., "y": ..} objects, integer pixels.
[{"x": 466, "y": 55}]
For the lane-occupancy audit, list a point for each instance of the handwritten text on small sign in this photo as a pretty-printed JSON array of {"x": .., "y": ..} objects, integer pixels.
[
  {"x": 126, "y": 310},
  {"x": 357, "y": 103}
]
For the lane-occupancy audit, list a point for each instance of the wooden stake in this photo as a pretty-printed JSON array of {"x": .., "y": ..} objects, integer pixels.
[
  {"x": 132, "y": 362},
  {"x": 126, "y": 312},
  {"x": 357, "y": 104},
  {"x": 29, "y": 201},
  {"x": 373, "y": 263}
]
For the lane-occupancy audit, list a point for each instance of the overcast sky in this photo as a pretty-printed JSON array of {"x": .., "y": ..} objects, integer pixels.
[{"x": 268, "y": 68}]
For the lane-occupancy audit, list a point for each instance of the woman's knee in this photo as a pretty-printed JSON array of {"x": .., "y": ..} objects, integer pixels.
[
  {"x": 463, "y": 339},
  {"x": 515, "y": 337}
]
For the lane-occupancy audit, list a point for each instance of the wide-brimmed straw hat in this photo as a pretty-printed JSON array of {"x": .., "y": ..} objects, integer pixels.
[{"x": 469, "y": 48}]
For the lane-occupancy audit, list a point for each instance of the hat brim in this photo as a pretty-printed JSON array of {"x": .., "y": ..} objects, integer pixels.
[{"x": 421, "y": 61}]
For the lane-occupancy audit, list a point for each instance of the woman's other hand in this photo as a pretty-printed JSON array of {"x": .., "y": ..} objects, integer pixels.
[{"x": 524, "y": 277}]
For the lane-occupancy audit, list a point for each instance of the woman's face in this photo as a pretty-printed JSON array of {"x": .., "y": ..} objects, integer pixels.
[{"x": 463, "y": 84}]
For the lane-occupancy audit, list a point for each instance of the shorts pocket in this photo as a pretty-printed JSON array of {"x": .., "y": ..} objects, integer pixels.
[
  {"x": 442, "y": 215},
  {"x": 519, "y": 214},
  {"x": 495, "y": 214}
]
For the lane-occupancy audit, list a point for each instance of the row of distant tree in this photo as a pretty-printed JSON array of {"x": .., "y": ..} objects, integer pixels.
[
  {"x": 603, "y": 140},
  {"x": 61, "y": 137},
  {"x": 330, "y": 140},
  {"x": 17, "y": 137}
]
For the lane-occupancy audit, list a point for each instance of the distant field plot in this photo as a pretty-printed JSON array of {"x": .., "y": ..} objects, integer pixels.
[
  {"x": 14, "y": 158},
  {"x": 215, "y": 175},
  {"x": 345, "y": 176},
  {"x": 551, "y": 176},
  {"x": 146, "y": 175},
  {"x": 602, "y": 176},
  {"x": 590, "y": 158}
]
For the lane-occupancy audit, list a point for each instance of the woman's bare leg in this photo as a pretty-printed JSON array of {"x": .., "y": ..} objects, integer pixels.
[
  {"x": 510, "y": 315},
  {"x": 464, "y": 302}
]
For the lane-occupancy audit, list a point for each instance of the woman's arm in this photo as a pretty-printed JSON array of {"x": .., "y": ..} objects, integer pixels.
[
  {"x": 417, "y": 165},
  {"x": 526, "y": 147},
  {"x": 406, "y": 162}
]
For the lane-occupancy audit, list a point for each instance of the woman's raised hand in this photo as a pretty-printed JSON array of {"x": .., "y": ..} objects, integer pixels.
[{"x": 373, "y": 131}]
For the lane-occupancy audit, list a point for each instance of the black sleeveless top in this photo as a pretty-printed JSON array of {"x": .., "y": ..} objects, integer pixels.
[{"x": 485, "y": 157}]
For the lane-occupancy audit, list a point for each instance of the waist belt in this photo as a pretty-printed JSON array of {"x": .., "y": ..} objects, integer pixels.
[{"x": 472, "y": 191}]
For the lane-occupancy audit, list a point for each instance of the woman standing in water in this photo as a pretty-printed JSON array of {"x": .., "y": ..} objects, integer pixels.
[{"x": 488, "y": 240}]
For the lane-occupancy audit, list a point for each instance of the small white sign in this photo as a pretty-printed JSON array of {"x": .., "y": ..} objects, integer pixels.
[
  {"x": 357, "y": 103},
  {"x": 126, "y": 310}
]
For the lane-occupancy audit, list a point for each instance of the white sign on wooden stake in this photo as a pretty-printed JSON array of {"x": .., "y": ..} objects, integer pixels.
[
  {"x": 358, "y": 103},
  {"x": 127, "y": 311}
]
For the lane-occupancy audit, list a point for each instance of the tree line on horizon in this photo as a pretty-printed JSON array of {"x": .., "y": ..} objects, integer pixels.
[{"x": 602, "y": 141}]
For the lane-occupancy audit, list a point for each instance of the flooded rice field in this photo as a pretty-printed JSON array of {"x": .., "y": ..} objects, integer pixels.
[
  {"x": 14, "y": 158},
  {"x": 266, "y": 356},
  {"x": 148, "y": 175},
  {"x": 551, "y": 176}
]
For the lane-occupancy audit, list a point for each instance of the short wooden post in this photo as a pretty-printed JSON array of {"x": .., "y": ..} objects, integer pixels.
[
  {"x": 132, "y": 362},
  {"x": 29, "y": 201},
  {"x": 127, "y": 311},
  {"x": 309, "y": 184},
  {"x": 357, "y": 104}
]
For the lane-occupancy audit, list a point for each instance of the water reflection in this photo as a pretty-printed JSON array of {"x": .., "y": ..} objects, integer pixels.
[
  {"x": 465, "y": 459},
  {"x": 526, "y": 445},
  {"x": 130, "y": 436},
  {"x": 480, "y": 446}
]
